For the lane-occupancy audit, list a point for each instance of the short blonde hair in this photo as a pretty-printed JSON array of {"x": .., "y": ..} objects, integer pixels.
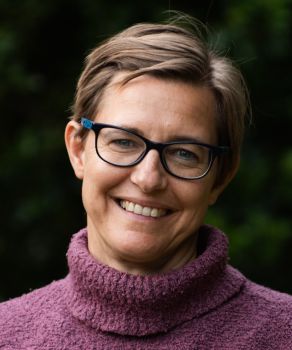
[{"x": 168, "y": 51}]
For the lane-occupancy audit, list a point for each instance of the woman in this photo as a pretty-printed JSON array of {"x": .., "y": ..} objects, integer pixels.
[{"x": 155, "y": 138}]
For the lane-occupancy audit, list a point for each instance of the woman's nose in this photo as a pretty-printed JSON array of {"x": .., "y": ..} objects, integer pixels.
[{"x": 149, "y": 175}]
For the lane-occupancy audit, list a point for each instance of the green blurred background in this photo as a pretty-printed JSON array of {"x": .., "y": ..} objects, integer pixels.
[{"x": 42, "y": 48}]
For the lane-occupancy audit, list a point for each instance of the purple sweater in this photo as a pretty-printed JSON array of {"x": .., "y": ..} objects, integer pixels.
[{"x": 205, "y": 305}]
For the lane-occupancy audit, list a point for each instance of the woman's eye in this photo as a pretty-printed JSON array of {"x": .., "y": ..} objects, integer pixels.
[
  {"x": 123, "y": 143},
  {"x": 186, "y": 155}
]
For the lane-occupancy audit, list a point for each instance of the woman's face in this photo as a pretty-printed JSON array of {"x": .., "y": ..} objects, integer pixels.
[{"x": 161, "y": 111}]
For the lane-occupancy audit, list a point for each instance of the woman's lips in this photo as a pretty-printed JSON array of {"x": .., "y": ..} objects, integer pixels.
[{"x": 141, "y": 210}]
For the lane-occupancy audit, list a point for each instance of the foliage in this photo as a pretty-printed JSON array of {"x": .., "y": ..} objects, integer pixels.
[{"x": 42, "y": 47}]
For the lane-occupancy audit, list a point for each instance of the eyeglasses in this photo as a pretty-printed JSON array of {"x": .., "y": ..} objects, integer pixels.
[{"x": 120, "y": 147}]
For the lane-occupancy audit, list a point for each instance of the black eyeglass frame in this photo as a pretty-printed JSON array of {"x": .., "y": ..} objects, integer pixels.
[{"x": 214, "y": 151}]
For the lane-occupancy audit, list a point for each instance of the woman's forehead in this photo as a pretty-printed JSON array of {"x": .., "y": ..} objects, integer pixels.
[{"x": 174, "y": 108}]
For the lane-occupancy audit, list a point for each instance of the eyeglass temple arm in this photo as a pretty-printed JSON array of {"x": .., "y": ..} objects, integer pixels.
[
  {"x": 221, "y": 149},
  {"x": 86, "y": 123}
]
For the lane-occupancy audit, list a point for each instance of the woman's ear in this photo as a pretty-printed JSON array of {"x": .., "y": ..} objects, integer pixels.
[
  {"x": 219, "y": 188},
  {"x": 75, "y": 148}
]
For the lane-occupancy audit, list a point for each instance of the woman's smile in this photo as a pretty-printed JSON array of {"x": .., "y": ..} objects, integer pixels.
[{"x": 147, "y": 211}]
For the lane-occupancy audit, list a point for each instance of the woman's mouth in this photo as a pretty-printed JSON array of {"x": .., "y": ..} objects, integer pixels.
[{"x": 140, "y": 210}]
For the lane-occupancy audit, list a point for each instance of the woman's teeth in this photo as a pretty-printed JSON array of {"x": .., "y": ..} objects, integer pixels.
[{"x": 145, "y": 211}]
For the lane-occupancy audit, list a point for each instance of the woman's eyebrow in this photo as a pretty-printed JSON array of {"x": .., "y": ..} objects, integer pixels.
[
  {"x": 132, "y": 129},
  {"x": 170, "y": 139},
  {"x": 186, "y": 138}
]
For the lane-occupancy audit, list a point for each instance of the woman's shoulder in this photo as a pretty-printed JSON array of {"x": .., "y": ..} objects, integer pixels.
[
  {"x": 260, "y": 303},
  {"x": 20, "y": 317},
  {"x": 268, "y": 299},
  {"x": 265, "y": 314},
  {"x": 40, "y": 295}
]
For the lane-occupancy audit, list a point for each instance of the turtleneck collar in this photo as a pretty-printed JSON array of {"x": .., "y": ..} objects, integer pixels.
[{"x": 112, "y": 301}]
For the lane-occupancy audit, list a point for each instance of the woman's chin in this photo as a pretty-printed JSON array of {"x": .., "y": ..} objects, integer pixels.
[
  {"x": 139, "y": 251},
  {"x": 134, "y": 255}
]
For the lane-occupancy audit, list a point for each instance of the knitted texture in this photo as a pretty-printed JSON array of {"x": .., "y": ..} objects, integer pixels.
[{"x": 205, "y": 305}]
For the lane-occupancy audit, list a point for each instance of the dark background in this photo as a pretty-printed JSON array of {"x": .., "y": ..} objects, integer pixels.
[{"x": 42, "y": 48}]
